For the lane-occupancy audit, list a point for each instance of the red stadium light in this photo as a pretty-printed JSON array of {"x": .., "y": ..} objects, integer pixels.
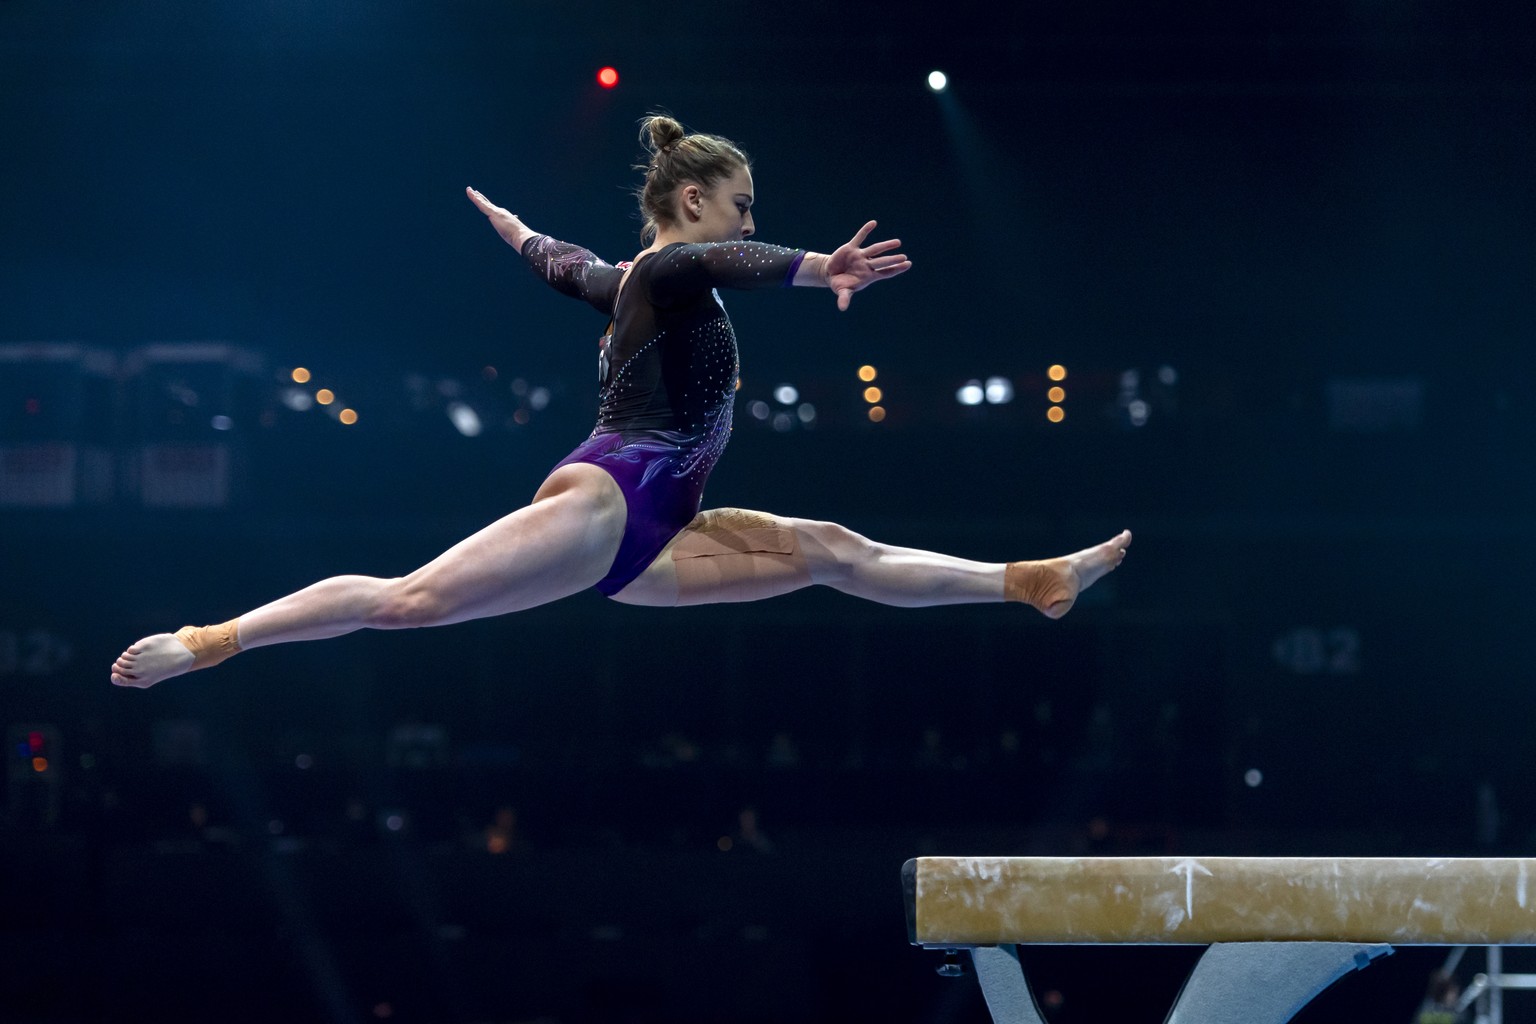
[{"x": 608, "y": 78}]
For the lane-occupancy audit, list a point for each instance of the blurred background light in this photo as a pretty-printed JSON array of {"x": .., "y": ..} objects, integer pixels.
[
  {"x": 465, "y": 420},
  {"x": 938, "y": 81},
  {"x": 999, "y": 390},
  {"x": 970, "y": 393}
]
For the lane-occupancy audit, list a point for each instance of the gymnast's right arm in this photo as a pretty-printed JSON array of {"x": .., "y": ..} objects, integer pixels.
[{"x": 569, "y": 269}]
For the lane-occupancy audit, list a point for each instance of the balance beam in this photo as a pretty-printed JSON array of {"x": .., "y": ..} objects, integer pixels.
[{"x": 1280, "y": 929}]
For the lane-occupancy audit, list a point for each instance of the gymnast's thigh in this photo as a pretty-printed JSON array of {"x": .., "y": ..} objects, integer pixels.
[
  {"x": 556, "y": 546},
  {"x": 724, "y": 555}
]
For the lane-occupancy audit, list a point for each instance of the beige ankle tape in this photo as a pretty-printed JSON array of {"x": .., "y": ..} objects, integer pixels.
[
  {"x": 210, "y": 644},
  {"x": 1041, "y": 585}
]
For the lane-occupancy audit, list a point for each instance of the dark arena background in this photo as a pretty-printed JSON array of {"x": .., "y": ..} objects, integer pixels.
[{"x": 1282, "y": 254}]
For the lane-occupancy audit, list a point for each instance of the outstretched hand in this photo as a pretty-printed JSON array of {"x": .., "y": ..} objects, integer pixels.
[
  {"x": 507, "y": 225},
  {"x": 853, "y": 267}
]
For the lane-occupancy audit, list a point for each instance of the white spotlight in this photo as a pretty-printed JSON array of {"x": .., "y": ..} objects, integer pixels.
[
  {"x": 465, "y": 420},
  {"x": 784, "y": 394},
  {"x": 938, "y": 81},
  {"x": 999, "y": 390},
  {"x": 970, "y": 393},
  {"x": 806, "y": 412},
  {"x": 759, "y": 410}
]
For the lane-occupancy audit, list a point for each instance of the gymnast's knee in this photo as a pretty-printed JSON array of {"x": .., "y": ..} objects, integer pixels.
[
  {"x": 833, "y": 553},
  {"x": 405, "y": 604}
]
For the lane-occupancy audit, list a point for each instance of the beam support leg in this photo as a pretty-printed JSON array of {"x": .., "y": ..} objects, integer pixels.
[
  {"x": 1004, "y": 985},
  {"x": 1265, "y": 982}
]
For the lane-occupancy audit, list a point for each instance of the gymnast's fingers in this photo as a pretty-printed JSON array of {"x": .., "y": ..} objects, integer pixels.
[{"x": 483, "y": 204}]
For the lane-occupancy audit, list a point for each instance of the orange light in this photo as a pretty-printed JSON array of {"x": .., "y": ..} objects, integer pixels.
[
  {"x": 39, "y": 764},
  {"x": 300, "y": 375},
  {"x": 872, "y": 395},
  {"x": 866, "y": 373},
  {"x": 724, "y": 844},
  {"x": 1057, "y": 372},
  {"x": 608, "y": 78},
  {"x": 1056, "y": 394},
  {"x": 876, "y": 414},
  {"x": 348, "y": 417},
  {"x": 1055, "y": 414},
  {"x": 325, "y": 396}
]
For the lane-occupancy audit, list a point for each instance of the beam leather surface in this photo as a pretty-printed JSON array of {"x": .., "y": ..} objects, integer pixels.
[{"x": 977, "y": 901}]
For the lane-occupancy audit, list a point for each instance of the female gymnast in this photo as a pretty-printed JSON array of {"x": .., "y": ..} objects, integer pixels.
[{"x": 622, "y": 512}]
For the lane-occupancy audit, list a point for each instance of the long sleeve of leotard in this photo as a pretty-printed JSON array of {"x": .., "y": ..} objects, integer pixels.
[
  {"x": 574, "y": 271},
  {"x": 697, "y": 266}
]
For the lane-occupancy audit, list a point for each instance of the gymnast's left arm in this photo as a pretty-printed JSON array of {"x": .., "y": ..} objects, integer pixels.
[{"x": 851, "y": 268}]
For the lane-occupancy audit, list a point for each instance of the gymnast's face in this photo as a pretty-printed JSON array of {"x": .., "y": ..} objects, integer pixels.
[{"x": 724, "y": 213}]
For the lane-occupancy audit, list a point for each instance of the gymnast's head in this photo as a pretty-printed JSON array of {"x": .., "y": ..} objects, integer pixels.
[{"x": 698, "y": 188}]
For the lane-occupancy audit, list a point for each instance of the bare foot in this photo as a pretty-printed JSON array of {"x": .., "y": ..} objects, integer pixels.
[
  {"x": 150, "y": 660},
  {"x": 1053, "y": 585}
]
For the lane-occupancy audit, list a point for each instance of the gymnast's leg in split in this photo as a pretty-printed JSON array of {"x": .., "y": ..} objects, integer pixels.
[
  {"x": 560, "y": 544},
  {"x": 739, "y": 555},
  {"x": 566, "y": 540}
]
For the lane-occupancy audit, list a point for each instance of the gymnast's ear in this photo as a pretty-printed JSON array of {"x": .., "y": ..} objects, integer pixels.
[{"x": 691, "y": 201}]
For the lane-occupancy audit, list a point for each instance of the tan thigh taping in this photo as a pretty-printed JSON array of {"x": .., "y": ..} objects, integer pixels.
[{"x": 731, "y": 554}]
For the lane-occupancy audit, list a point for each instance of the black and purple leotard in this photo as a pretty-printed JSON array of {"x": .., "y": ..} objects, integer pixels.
[{"x": 667, "y": 371}]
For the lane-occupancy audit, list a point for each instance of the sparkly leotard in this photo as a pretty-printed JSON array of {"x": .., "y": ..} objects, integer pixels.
[{"x": 667, "y": 371}]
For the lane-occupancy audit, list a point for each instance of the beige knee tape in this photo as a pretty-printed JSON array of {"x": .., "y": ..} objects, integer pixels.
[
  {"x": 210, "y": 644},
  {"x": 735, "y": 554},
  {"x": 1043, "y": 585}
]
